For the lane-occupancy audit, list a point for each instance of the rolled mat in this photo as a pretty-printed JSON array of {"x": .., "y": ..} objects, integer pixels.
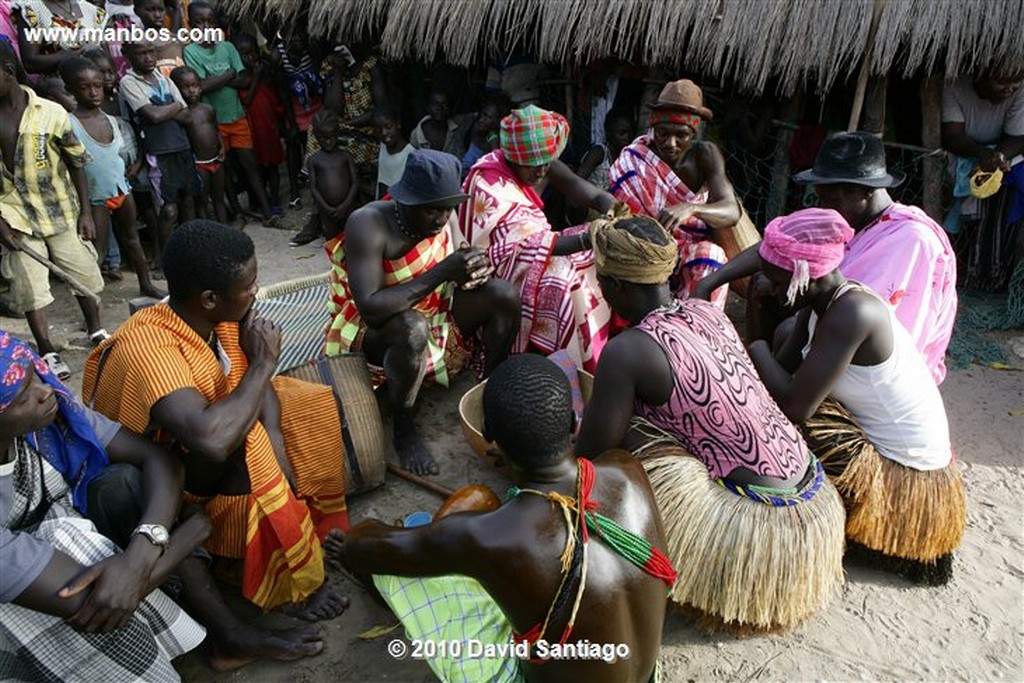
[
  {"x": 892, "y": 509},
  {"x": 746, "y": 566}
]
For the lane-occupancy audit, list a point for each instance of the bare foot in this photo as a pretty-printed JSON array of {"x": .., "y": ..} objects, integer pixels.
[
  {"x": 246, "y": 644},
  {"x": 326, "y": 603},
  {"x": 152, "y": 290},
  {"x": 334, "y": 556},
  {"x": 412, "y": 453},
  {"x": 334, "y": 549}
]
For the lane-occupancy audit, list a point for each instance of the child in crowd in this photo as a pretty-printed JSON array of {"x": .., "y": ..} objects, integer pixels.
[
  {"x": 332, "y": 175},
  {"x": 157, "y": 111},
  {"x": 207, "y": 146},
  {"x": 394, "y": 149},
  {"x": 596, "y": 163},
  {"x": 135, "y": 169},
  {"x": 109, "y": 190},
  {"x": 483, "y": 134},
  {"x": 221, "y": 71},
  {"x": 264, "y": 110},
  {"x": 110, "y": 263},
  {"x": 304, "y": 87},
  {"x": 52, "y": 88},
  {"x": 153, "y": 15},
  {"x": 120, "y": 15},
  {"x": 105, "y": 63}
]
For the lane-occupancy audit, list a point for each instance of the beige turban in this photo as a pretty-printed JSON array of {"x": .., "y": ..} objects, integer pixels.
[{"x": 623, "y": 256}]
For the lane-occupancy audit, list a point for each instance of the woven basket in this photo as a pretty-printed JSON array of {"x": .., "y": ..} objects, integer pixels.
[
  {"x": 736, "y": 239},
  {"x": 471, "y": 413},
  {"x": 362, "y": 430}
]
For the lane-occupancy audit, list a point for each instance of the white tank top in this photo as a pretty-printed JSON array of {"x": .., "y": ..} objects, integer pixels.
[{"x": 896, "y": 402}]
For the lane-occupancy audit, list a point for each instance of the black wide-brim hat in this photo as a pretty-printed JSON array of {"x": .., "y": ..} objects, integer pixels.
[
  {"x": 431, "y": 178},
  {"x": 853, "y": 158}
]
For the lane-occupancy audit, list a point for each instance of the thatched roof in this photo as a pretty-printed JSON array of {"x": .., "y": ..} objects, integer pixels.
[{"x": 749, "y": 42}]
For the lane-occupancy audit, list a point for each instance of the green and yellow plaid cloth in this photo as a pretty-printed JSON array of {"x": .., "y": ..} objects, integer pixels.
[
  {"x": 532, "y": 136},
  {"x": 453, "y": 608}
]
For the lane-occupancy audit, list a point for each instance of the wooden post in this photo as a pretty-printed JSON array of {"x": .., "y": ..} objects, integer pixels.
[
  {"x": 873, "y": 114},
  {"x": 931, "y": 138},
  {"x": 865, "y": 67}
]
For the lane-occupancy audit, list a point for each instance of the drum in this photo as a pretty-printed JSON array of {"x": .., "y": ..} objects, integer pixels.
[{"x": 362, "y": 429}]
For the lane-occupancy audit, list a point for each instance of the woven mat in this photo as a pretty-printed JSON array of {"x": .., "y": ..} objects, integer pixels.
[{"x": 300, "y": 308}]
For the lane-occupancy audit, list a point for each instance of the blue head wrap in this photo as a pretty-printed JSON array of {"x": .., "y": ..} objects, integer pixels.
[{"x": 69, "y": 443}]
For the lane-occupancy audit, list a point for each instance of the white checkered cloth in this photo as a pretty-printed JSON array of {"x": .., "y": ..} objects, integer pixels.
[{"x": 39, "y": 647}]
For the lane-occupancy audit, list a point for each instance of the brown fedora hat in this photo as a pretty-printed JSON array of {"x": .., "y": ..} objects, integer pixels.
[{"x": 684, "y": 95}]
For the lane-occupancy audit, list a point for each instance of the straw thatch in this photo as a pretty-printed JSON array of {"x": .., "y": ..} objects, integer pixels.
[
  {"x": 745, "y": 566},
  {"x": 891, "y": 509},
  {"x": 751, "y": 42}
]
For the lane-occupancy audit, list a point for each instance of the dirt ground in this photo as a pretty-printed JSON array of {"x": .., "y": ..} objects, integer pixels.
[{"x": 879, "y": 627}]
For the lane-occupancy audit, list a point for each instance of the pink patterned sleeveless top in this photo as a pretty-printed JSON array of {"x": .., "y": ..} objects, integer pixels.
[{"x": 719, "y": 410}]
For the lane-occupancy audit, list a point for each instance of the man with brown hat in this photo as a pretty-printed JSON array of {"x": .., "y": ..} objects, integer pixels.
[
  {"x": 897, "y": 250},
  {"x": 402, "y": 295},
  {"x": 670, "y": 175}
]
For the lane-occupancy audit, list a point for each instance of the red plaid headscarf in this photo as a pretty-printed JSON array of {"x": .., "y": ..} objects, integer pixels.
[
  {"x": 810, "y": 243},
  {"x": 532, "y": 136},
  {"x": 675, "y": 117}
]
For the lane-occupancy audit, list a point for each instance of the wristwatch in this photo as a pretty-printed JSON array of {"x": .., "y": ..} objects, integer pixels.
[{"x": 156, "y": 533}]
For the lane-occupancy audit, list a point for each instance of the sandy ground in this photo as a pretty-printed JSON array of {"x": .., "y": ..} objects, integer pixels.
[{"x": 879, "y": 627}]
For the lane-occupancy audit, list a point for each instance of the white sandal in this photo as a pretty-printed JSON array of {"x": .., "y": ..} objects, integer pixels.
[
  {"x": 57, "y": 366},
  {"x": 99, "y": 336}
]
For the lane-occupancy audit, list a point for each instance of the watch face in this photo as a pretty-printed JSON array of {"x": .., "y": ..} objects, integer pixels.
[{"x": 160, "y": 534}]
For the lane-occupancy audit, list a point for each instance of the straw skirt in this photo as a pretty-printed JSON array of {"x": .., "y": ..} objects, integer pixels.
[
  {"x": 745, "y": 566},
  {"x": 893, "y": 510}
]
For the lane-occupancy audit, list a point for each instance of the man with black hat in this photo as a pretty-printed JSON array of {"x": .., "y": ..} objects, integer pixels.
[
  {"x": 897, "y": 250},
  {"x": 402, "y": 295},
  {"x": 671, "y": 175}
]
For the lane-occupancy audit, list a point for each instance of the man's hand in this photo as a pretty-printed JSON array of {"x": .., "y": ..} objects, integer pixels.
[
  {"x": 86, "y": 226},
  {"x": 468, "y": 265},
  {"x": 675, "y": 217},
  {"x": 260, "y": 339},
  {"x": 118, "y": 586},
  {"x": 702, "y": 290},
  {"x": 995, "y": 160},
  {"x": 8, "y": 237}
]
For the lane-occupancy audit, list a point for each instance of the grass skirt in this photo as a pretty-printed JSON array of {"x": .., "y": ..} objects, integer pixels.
[
  {"x": 745, "y": 566},
  {"x": 893, "y": 510}
]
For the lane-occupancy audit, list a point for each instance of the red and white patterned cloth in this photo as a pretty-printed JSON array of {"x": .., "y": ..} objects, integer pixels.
[
  {"x": 562, "y": 303},
  {"x": 647, "y": 185}
]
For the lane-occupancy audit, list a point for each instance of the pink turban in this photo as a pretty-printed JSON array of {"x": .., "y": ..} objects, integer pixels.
[{"x": 809, "y": 243}]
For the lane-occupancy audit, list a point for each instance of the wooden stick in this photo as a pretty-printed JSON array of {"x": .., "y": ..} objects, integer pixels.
[
  {"x": 56, "y": 270},
  {"x": 419, "y": 481}
]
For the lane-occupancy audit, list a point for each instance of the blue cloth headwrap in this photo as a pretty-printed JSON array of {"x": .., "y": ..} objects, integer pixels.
[{"x": 69, "y": 443}]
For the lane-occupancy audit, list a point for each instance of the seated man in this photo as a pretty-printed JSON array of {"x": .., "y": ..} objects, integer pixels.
[
  {"x": 897, "y": 250},
  {"x": 496, "y": 576},
  {"x": 197, "y": 373},
  {"x": 671, "y": 175},
  {"x": 404, "y": 297},
  {"x": 72, "y": 605},
  {"x": 552, "y": 271},
  {"x": 745, "y": 503},
  {"x": 882, "y": 436}
]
